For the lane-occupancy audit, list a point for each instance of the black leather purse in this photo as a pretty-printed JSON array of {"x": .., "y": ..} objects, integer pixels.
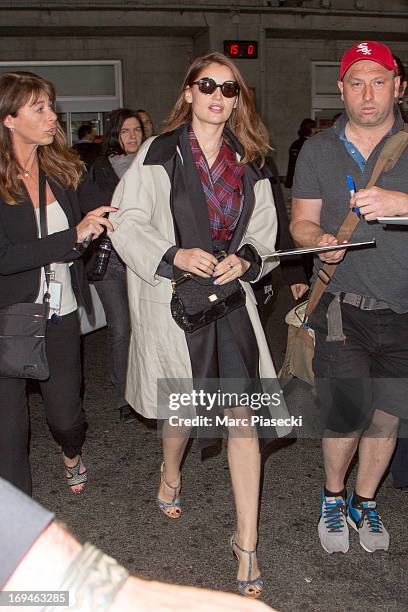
[
  {"x": 22, "y": 326},
  {"x": 196, "y": 301}
]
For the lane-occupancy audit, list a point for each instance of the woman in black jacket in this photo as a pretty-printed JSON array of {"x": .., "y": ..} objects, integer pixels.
[
  {"x": 33, "y": 144},
  {"x": 123, "y": 139}
]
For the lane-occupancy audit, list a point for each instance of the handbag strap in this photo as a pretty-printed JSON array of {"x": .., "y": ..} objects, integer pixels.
[
  {"x": 42, "y": 186},
  {"x": 390, "y": 154}
]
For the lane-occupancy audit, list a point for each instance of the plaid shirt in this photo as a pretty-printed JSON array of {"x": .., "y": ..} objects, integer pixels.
[{"x": 222, "y": 186}]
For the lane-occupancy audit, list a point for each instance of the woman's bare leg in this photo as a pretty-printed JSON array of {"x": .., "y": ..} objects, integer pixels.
[
  {"x": 174, "y": 444},
  {"x": 245, "y": 467}
]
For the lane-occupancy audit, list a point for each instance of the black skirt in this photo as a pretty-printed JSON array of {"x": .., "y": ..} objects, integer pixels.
[{"x": 224, "y": 362}]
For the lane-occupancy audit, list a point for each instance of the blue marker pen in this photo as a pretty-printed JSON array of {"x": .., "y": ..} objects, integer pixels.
[{"x": 352, "y": 189}]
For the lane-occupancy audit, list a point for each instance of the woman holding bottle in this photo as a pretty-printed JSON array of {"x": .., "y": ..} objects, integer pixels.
[{"x": 34, "y": 153}]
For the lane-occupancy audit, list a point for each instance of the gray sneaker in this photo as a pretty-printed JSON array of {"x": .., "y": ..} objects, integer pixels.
[
  {"x": 332, "y": 529},
  {"x": 364, "y": 518}
]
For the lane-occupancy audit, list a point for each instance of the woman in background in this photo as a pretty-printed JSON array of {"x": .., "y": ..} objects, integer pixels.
[
  {"x": 123, "y": 139},
  {"x": 307, "y": 128}
]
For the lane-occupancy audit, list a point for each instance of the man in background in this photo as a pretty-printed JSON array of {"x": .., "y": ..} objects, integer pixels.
[{"x": 86, "y": 147}]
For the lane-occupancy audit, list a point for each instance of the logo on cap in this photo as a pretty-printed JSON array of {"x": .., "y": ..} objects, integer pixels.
[
  {"x": 363, "y": 48},
  {"x": 370, "y": 50}
]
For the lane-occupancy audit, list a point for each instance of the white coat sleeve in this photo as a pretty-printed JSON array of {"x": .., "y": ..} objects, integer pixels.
[{"x": 136, "y": 237}]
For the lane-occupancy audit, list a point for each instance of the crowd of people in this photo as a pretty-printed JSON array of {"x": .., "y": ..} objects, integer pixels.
[{"x": 186, "y": 221}]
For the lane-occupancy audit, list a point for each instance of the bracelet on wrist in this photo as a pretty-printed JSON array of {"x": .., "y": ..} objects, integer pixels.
[{"x": 92, "y": 580}]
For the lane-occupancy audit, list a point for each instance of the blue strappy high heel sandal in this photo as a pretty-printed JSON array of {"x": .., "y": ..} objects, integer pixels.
[
  {"x": 171, "y": 509},
  {"x": 247, "y": 588}
]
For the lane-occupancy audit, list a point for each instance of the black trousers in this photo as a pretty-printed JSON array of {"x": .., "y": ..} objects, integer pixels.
[
  {"x": 112, "y": 291},
  {"x": 62, "y": 404},
  {"x": 366, "y": 371}
]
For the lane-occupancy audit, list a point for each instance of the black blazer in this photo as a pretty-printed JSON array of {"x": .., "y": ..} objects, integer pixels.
[
  {"x": 88, "y": 152},
  {"x": 97, "y": 185},
  {"x": 22, "y": 253}
]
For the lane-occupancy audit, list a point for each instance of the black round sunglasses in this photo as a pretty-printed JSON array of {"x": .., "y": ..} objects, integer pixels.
[{"x": 229, "y": 89}]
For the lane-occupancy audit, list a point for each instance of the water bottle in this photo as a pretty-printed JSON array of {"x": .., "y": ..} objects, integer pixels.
[{"x": 103, "y": 252}]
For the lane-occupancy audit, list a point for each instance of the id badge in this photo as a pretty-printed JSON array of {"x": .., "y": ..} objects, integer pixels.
[{"x": 55, "y": 291}]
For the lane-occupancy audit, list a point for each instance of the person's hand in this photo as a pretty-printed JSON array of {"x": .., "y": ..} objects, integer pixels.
[
  {"x": 44, "y": 565},
  {"x": 94, "y": 223},
  {"x": 196, "y": 261},
  {"x": 331, "y": 257},
  {"x": 376, "y": 202},
  {"x": 298, "y": 289},
  {"x": 229, "y": 269}
]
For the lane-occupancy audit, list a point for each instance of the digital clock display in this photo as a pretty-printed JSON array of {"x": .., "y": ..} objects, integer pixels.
[{"x": 241, "y": 49}]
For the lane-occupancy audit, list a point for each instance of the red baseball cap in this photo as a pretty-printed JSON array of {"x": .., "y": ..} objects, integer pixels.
[{"x": 367, "y": 50}]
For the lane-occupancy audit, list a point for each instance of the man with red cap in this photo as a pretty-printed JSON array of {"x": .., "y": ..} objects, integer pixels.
[{"x": 361, "y": 322}]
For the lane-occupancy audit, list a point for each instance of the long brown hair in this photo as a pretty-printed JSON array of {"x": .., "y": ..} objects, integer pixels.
[
  {"x": 244, "y": 122},
  {"x": 59, "y": 163}
]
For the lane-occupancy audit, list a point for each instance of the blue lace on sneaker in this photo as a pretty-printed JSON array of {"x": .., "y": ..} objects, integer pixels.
[
  {"x": 367, "y": 510},
  {"x": 373, "y": 518},
  {"x": 332, "y": 513}
]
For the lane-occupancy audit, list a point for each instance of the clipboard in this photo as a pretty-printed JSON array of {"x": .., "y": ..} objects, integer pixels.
[
  {"x": 319, "y": 249},
  {"x": 393, "y": 220}
]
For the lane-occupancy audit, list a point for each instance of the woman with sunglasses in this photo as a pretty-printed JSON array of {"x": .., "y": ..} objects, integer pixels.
[
  {"x": 196, "y": 191},
  {"x": 33, "y": 149}
]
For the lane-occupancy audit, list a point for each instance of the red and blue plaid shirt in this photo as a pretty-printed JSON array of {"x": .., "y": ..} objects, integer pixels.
[{"x": 222, "y": 186}]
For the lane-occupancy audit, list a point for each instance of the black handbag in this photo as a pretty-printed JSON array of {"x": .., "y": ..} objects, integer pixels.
[
  {"x": 196, "y": 301},
  {"x": 23, "y": 326}
]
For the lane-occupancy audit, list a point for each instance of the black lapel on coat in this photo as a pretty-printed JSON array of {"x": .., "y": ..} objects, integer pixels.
[
  {"x": 189, "y": 206},
  {"x": 195, "y": 194},
  {"x": 163, "y": 148},
  {"x": 184, "y": 218}
]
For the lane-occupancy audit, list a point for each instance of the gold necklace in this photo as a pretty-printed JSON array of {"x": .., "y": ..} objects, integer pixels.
[
  {"x": 214, "y": 152},
  {"x": 27, "y": 171}
]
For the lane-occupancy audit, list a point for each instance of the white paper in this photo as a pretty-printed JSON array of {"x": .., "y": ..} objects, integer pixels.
[
  {"x": 318, "y": 249},
  {"x": 393, "y": 220}
]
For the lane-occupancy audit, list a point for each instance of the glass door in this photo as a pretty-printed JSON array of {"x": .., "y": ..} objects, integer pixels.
[{"x": 78, "y": 119}]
